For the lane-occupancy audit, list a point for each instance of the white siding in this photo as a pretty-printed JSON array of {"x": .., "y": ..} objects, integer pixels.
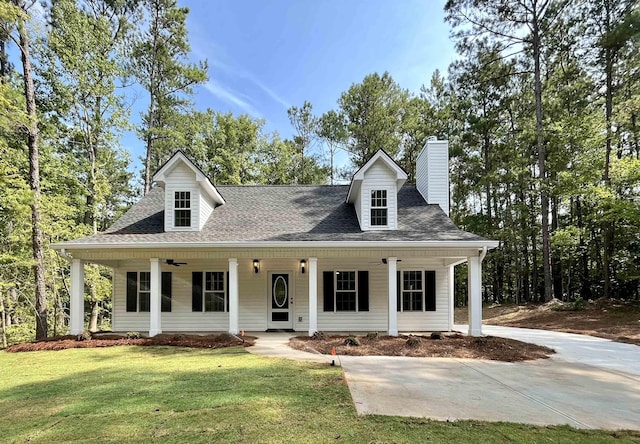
[
  {"x": 181, "y": 178},
  {"x": 358, "y": 207},
  {"x": 379, "y": 177},
  {"x": 206, "y": 208},
  {"x": 254, "y": 297},
  {"x": 432, "y": 173}
]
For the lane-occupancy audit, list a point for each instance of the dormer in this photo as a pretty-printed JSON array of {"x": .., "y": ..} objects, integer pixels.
[
  {"x": 374, "y": 192},
  {"x": 189, "y": 196}
]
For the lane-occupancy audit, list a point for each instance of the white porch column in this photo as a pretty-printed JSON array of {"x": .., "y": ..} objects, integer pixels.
[
  {"x": 313, "y": 295},
  {"x": 233, "y": 296},
  {"x": 393, "y": 304},
  {"x": 452, "y": 296},
  {"x": 155, "y": 322},
  {"x": 76, "y": 306},
  {"x": 474, "y": 267}
]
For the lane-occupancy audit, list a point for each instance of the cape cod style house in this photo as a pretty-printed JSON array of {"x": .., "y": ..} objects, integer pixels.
[{"x": 374, "y": 255}]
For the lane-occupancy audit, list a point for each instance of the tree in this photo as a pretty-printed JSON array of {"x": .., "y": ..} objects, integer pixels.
[
  {"x": 159, "y": 63},
  {"x": 516, "y": 24},
  {"x": 305, "y": 124},
  {"x": 374, "y": 111},
  {"x": 332, "y": 130},
  {"x": 16, "y": 18},
  {"x": 612, "y": 24}
]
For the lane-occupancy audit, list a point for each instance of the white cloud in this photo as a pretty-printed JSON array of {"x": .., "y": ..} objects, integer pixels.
[
  {"x": 230, "y": 96},
  {"x": 240, "y": 73}
]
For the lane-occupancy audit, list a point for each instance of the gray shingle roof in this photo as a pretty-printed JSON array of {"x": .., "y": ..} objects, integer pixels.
[{"x": 283, "y": 213}]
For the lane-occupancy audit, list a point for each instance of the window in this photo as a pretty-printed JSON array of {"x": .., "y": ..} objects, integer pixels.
[
  {"x": 182, "y": 209},
  {"x": 139, "y": 291},
  {"x": 144, "y": 291},
  {"x": 346, "y": 290},
  {"x": 214, "y": 291},
  {"x": 209, "y": 291},
  {"x": 412, "y": 293},
  {"x": 378, "y": 207},
  {"x": 416, "y": 290}
]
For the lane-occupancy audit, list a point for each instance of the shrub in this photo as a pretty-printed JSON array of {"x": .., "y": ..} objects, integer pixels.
[
  {"x": 352, "y": 340},
  {"x": 319, "y": 336},
  {"x": 480, "y": 340},
  {"x": 413, "y": 341},
  {"x": 133, "y": 335},
  {"x": 23, "y": 332},
  {"x": 84, "y": 336},
  {"x": 436, "y": 335},
  {"x": 372, "y": 335},
  {"x": 578, "y": 305}
]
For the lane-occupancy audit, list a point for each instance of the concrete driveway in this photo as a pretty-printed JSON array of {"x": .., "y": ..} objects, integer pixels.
[{"x": 589, "y": 383}]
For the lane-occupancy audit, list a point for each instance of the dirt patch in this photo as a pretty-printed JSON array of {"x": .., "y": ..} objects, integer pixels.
[
  {"x": 218, "y": 340},
  {"x": 450, "y": 346},
  {"x": 610, "y": 319}
]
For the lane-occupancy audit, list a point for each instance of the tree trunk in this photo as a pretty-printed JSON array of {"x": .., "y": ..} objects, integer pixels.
[
  {"x": 607, "y": 227},
  {"x": 557, "y": 262},
  {"x": 4, "y": 63},
  {"x": 540, "y": 145},
  {"x": 34, "y": 180},
  {"x": 3, "y": 323}
]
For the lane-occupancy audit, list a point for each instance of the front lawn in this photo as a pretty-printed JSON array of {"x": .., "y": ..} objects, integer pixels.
[{"x": 141, "y": 394}]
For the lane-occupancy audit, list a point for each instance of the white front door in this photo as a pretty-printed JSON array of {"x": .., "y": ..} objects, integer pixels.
[{"x": 280, "y": 301}]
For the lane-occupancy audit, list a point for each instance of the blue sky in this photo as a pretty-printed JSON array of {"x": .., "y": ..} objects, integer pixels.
[{"x": 265, "y": 56}]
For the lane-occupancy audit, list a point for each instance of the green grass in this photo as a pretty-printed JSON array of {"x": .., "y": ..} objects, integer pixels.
[{"x": 143, "y": 394}]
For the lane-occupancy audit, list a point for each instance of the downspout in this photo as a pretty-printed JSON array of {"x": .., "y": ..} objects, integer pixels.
[{"x": 483, "y": 253}]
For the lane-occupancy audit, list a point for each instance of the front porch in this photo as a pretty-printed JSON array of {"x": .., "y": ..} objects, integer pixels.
[{"x": 262, "y": 289}]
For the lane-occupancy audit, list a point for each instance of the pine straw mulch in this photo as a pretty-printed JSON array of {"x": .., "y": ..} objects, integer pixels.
[
  {"x": 449, "y": 346},
  {"x": 217, "y": 340}
]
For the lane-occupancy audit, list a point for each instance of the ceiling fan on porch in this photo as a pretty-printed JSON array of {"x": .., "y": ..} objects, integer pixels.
[
  {"x": 174, "y": 263},
  {"x": 383, "y": 261}
]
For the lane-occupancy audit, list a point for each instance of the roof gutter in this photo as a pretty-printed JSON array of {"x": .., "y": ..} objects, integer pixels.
[{"x": 484, "y": 244}]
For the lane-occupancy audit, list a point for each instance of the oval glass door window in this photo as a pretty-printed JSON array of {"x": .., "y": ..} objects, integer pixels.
[{"x": 280, "y": 292}]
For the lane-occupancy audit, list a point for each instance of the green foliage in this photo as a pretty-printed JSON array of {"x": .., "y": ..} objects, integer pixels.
[
  {"x": 159, "y": 62},
  {"x": 374, "y": 112},
  {"x": 23, "y": 332}
]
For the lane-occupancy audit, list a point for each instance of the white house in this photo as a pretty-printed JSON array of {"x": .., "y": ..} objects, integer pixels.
[{"x": 375, "y": 255}]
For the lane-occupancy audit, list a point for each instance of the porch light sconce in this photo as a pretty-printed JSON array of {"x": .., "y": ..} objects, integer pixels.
[
  {"x": 256, "y": 265},
  {"x": 303, "y": 266}
]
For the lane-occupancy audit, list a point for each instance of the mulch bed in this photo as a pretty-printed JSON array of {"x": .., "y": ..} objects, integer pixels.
[
  {"x": 218, "y": 340},
  {"x": 449, "y": 346}
]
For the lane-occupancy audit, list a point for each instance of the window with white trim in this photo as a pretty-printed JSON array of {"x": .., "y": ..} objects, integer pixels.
[
  {"x": 139, "y": 291},
  {"x": 182, "y": 209},
  {"x": 144, "y": 291},
  {"x": 416, "y": 290},
  {"x": 379, "y": 208},
  {"x": 214, "y": 291},
  {"x": 346, "y": 291},
  {"x": 412, "y": 291}
]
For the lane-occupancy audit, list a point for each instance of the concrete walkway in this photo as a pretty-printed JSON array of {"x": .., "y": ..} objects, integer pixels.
[
  {"x": 599, "y": 352},
  {"x": 276, "y": 345},
  {"x": 588, "y": 384}
]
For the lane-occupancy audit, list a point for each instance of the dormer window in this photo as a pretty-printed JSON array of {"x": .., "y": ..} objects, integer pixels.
[
  {"x": 379, "y": 208},
  {"x": 182, "y": 209}
]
